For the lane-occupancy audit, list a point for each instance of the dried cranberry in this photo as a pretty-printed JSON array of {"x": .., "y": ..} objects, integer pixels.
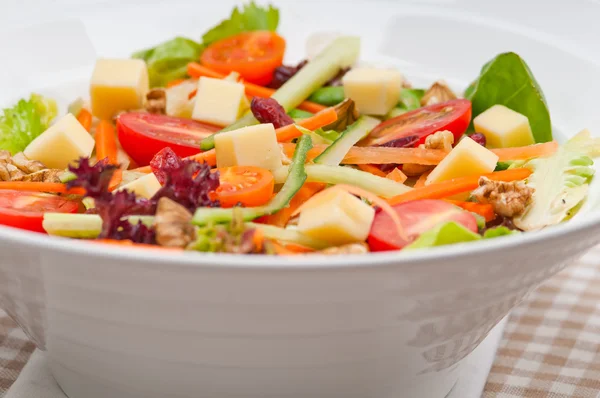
[
  {"x": 268, "y": 110},
  {"x": 284, "y": 73},
  {"x": 165, "y": 162},
  {"x": 404, "y": 142},
  {"x": 500, "y": 221},
  {"x": 337, "y": 79},
  {"x": 478, "y": 138},
  {"x": 388, "y": 167}
]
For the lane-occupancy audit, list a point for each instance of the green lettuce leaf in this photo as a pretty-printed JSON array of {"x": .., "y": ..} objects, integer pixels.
[
  {"x": 560, "y": 182},
  {"x": 451, "y": 232},
  {"x": 168, "y": 61},
  {"x": 507, "y": 80},
  {"x": 498, "y": 231},
  {"x": 410, "y": 98},
  {"x": 22, "y": 123}
]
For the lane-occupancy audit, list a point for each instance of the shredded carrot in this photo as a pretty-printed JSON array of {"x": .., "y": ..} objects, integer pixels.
[
  {"x": 106, "y": 147},
  {"x": 175, "y": 82},
  {"x": 483, "y": 209},
  {"x": 283, "y": 216},
  {"x": 422, "y": 179},
  {"x": 54, "y": 187},
  {"x": 526, "y": 152},
  {"x": 458, "y": 185},
  {"x": 85, "y": 118},
  {"x": 397, "y": 175},
  {"x": 369, "y": 168},
  {"x": 323, "y": 118},
  {"x": 258, "y": 239},
  {"x": 289, "y": 249},
  {"x": 252, "y": 90}
]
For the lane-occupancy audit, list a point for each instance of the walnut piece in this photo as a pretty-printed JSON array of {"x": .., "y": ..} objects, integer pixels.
[
  {"x": 156, "y": 101},
  {"x": 20, "y": 168},
  {"x": 352, "y": 248},
  {"x": 509, "y": 199},
  {"x": 437, "y": 93},
  {"x": 173, "y": 224},
  {"x": 438, "y": 140}
]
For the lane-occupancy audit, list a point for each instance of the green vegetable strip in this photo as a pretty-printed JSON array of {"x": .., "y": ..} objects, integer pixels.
[
  {"x": 289, "y": 235},
  {"x": 342, "y": 52},
  {"x": 294, "y": 181},
  {"x": 328, "y": 96}
]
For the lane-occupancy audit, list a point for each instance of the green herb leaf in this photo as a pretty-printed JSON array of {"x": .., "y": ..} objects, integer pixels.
[
  {"x": 168, "y": 61},
  {"x": 22, "y": 123},
  {"x": 444, "y": 234},
  {"x": 498, "y": 231},
  {"x": 249, "y": 18},
  {"x": 507, "y": 80}
]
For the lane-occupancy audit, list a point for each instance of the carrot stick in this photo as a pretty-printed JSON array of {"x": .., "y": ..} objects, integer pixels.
[
  {"x": 196, "y": 70},
  {"x": 85, "y": 118},
  {"x": 369, "y": 168},
  {"x": 54, "y": 187},
  {"x": 106, "y": 147},
  {"x": 397, "y": 175},
  {"x": 283, "y": 216},
  {"x": 422, "y": 179},
  {"x": 314, "y": 122},
  {"x": 289, "y": 249},
  {"x": 175, "y": 82},
  {"x": 526, "y": 152},
  {"x": 483, "y": 209},
  {"x": 458, "y": 185}
]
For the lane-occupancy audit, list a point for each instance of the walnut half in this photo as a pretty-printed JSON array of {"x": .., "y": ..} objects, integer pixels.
[
  {"x": 439, "y": 140},
  {"x": 156, "y": 101},
  {"x": 173, "y": 224},
  {"x": 20, "y": 168},
  {"x": 439, "y": 92},
  {"x": 509, "y": 199}
]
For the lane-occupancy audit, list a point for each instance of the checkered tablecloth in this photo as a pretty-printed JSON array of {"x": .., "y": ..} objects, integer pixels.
[{"x": 550, "y": 348}]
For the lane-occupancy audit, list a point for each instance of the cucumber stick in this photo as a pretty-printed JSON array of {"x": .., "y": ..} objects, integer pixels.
[
  {"x": 343, "y": 52},
  {"x": 346, "y": 175},
  {"x": 296, "y": 177},
  {"x": 82, "y": 226},
  {"x": 334, "y": 154}
]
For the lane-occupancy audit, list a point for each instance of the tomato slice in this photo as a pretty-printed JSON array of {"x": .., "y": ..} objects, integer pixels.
[
  {"x": 416, "y": 217},
  {"x": 411, "y": 128},
  {"x": 254, "y": 55},
  {"x": 25, "y": 210},
  {"x": 143, "y": 135},
  {"x": 251, "y": 186}
]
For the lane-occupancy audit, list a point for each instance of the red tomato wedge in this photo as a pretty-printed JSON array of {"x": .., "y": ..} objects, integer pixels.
[
  {"x": 25, "y": 210},
  {"x": 416, "y": 216},
  {"x": 254, "y": 55},
  {"x": 251, "y": 186},
  {"x": 411, "y": 128},
  {"x": 143, "y": 135}
]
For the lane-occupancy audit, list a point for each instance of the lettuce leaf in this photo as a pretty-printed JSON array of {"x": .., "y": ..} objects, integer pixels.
[
  {"x": 560, "y": 182},
  {"x": 498, "y": 231},
  {"x": 22, "y": 123},
  {"x": 452, "y": 232}
]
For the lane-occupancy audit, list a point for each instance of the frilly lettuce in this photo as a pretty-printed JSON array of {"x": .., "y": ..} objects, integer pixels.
[
  {"x": 451, "y": 232},
  {"x": 560, "y": 181},
  {"x": 22, "y": 123}
]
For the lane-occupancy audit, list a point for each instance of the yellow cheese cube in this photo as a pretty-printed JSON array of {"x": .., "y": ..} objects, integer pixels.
[
  {"x": 218, "y": 101},
  {"x": 503, "y": 127},
  {"x": 467, "y": 158},
  {"x": 375, "y": 91},
  {"x": 339, "y": 218},
  {"x": 249, "y": 146},
  {"x": 64, "y": 142},
  {"x": 145, "y": 186},
  {"x": 118, "y": 85}
]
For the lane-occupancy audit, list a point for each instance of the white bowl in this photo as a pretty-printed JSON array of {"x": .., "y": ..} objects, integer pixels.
[{"x": 132, "y": 323}]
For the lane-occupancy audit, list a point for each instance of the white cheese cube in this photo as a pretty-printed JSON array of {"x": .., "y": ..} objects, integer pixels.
[
  {"x": 339, "y": 218},
  {"x": 249, "y": 146},
  {"x": 145, "y": 186},
  {"x": 118, "y": 85},
  {"x": 218, "y": 101},
  {"x": 467, "y": 158},
  {"x": 375, "y": 91},
  {"x": 63, "y": 143},
  {"x": 503, "y": 127}
]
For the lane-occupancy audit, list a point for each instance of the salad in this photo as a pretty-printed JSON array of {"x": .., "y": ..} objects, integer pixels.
[{"x": 218, "y": 146}]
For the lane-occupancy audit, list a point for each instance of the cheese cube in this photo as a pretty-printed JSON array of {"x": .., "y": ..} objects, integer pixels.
[
  {"x": 341, "y": 218},
  {"x": 145, "y": 186},
  {"x": 118, "y": 85},
  {"x": 375, "y": 91},
  {"x": 504, "y": 128},
  {"x": 467, "y": 158},
  {"x": 218, "y": 101},
  {"x": 249, "y": 146},
  {"x": 63, "y": 143}
]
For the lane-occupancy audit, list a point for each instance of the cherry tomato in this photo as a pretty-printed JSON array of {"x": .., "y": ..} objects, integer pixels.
[
  {"x": 143, "y": 135},
  {"x": 251, "y": 186},
  {"x": 254, "y": 55},
  {"x": 411, "y": 128},
  {"x": 416, "y": 217},
  {"x": 25, "y": 210}
]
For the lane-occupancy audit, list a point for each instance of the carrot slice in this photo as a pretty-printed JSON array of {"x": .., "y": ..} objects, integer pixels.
[
  {"x": 397, "y": 175},
  {"x": 422, "y": 179},
  {"x": 323, "y": 118},
  {"x": 283, "y": 216},
  {"x": 483, "y": 209},
  {"x": 455, "y": 186},
  {"x": 369, "y": 168},
  {"x": 106, "y": 147},
  {"x": 85, "y": 118},
  {"x": 526, "y": 152},
  {"x": 54, "y": 187},
  {"x": 253, "y": 90}
]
